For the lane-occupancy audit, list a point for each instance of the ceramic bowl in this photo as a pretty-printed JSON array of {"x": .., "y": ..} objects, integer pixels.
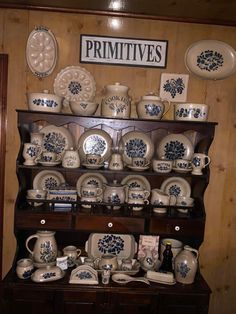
[
  {"x": 44, "y": 102},
  {"x": 83, "y": 108},
  {"x": 191, "y": 112}
]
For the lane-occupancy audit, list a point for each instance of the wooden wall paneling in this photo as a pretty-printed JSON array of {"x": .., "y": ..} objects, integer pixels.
[{"x": 3, "y": 122}]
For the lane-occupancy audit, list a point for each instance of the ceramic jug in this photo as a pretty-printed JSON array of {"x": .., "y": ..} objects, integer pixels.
[
  {"x": 116, "y": 162},
  {"x": 116, "y": 102},
  {"x": 115, "y": 194},
  {"x": 185, "y": 265},
  {"x": 107, "y": 261},
  {"x": 152, "y": 107},
  {"x": 45, "y": 247},
  {"x": 71, "y": 159}
]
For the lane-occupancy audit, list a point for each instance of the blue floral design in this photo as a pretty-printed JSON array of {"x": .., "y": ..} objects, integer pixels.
[
  {"x": 75, "y": 87},
  {"x": 114, "y": 199},
  {"x": 49, "y": 275},
  {"x": 183, "y": 269},
  {"x": 174, "y": 86},
  {"x": 54, "y": 142},
  {"x": 50, "y": 183},
  {"x": 83, "y": 275},
  {"x": 174, "y": 150},
  {"x": 31, "y": 151},
  {"x": 95, "y": 144},
  {"x": 153, "y": 109},
  {"x": 195, "y": 112},
  {"x": 111, "y": 244},
  {"x": 210, "y": 60},
  {"x": 27, "y": 273},
  {"x": 196, "y": 161},
  {"x": 135, "y": 148},
  {"x": 45, "y": 103},
  {"x": 47, "y": 254},
  {"x": 174, "y": 190}
]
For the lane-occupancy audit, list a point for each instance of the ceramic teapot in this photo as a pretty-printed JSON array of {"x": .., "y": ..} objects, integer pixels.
[
  {"x": 45, "y": 247},
  {"x": 185, "y": 265},
  {"x": 152, "y": 107},
  {"x": 116, "y": 102},
  {"x": 115, "y": 194}
]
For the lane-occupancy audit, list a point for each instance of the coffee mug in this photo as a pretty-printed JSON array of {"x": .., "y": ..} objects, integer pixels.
[
  {"x": 72, "y": 253},
  {"x": 138, "y": 193},
  {"x": 94, "y": 159},
  {"x": 140, "y": 162},
  {"x": 50, "y": 156},
  {"x": 107, "y": 261},
  {"x": 90, "y": 190},
  {"x": 182, "y": 164},
  {"x": 199, "y": 162}
]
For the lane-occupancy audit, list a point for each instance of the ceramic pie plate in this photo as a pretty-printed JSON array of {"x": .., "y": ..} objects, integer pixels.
[
  {"x": 136, "y": 181},
  {"x": 90, "y": 178},
  {"x": 48, "y": 180},
  {"x": 210, "y": 59},
  {"x": 122, "y": 245},
  {"x": 176, "y": 186},
  {"x": 175, "y": 146},
  {"x": 136, "y": 144},
  {"x": 95, "y": 141},
  {"x": 74, "y": 83},
  {"x": 41, "y": 51},
  {"x": 56, "y": 139}
]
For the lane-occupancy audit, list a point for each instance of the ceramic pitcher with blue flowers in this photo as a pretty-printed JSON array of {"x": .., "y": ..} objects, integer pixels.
[{"x": 186, "y": 264}]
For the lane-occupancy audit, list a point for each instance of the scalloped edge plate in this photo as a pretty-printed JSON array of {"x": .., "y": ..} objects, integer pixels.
[{"x": 38, "y": 183}]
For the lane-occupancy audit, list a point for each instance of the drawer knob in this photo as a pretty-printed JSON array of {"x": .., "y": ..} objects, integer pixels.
[
  {"x": 110, "y": 224},
  {"x": 177, "y": 228},
  {"x": 42, "y": 221}
]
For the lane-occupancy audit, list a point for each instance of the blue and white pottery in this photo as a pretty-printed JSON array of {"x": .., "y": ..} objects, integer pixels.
[
  {"x": 152, "y": 107},
  {"x": 44, "y": 102},
  {"x": 191, "y": 112},
  {"x": 24, "y": 268}
]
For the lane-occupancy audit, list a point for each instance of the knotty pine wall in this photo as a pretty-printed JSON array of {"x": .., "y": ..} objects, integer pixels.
[{"x": 218, "y": 252}]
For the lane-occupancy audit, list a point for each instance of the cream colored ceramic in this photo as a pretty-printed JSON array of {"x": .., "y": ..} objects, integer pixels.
[
  {"x": 49, "y": 156},
  {"x": 162, "y": 165},
  {"x": 36, "y": 138},
  {"x": 83, "y": 108},
  {"x": 89, "y": 261},
  {"x": 72, "y": 252},
  {"x": 24, "y": 268},
  {"x": 115, "y": 194},
  {"x": 107, "y": 261},
  {"x": 140, "y": 162},
  {"x": 152, "y": 107},
  {"x": 185, "y": 265},
  {"x": 45, "y": 247},
  {"x": 94, "y": 159},
  {"x": 116, "y": 162},
  {"x": 184, "y": 201},
  {"x": 136, "y": 193},
  {"x": 137, "y": 203},
  {"x": 89, "y": 200},
  {"x": 199, "y": 162},
  {"x": 36, "y": 195},
  {"x": 44, "y": 102},
  {"x": 126, "y": 264},
  {"x": 71, "y": 159},
  {"x": 30, "y": 153},
  {"x": 116, "y": 101},
  {"x": 148, "y": 261},
  {"x": 90, "y": 190},
  {"x": 160, "y": 198},
  {"x": 48, "y": 273},
  {"x": 191, "y": 112}
]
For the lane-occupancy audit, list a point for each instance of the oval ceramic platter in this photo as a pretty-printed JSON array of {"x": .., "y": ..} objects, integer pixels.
[
  {"x": 136, "y": 181},
  {"x": 41, "y": 51},
  {"x": 211, "y": 59},
  {"x": 136, "y": 144},
  {"x": 56, "y": 139},
  {"x": 48, "y": 180},
  {"x": 96, "y": 179},
  {"x": 95, "y": 141},
  {"x": 75, "y": 84},
  {"x": 176, "y": 186},
  {"x": 175, "y": 146}
]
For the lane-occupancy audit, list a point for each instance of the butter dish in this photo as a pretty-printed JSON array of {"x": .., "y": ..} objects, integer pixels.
[
  {"x": 48, "y": 273},
  {"x": 166, "y": 278}
]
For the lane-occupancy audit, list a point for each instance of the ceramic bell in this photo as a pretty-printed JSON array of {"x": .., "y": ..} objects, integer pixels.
[
  {"x": 116, "y": 162},
  {"x": 71, "y": 159}
]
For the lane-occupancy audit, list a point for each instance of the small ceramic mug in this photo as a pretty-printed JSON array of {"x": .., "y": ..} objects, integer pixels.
[
  {"x": 136, "y": 193},
  {"x": 182, "y": 164},
  {"x": 50, "y": 156},
  {"x": 107, "y": 261},
  {"x": 94, "y": 159},
  {"x": 72, "y": 253},
  {"x": 30, "y": 153},
  {"x": 90, "y": 190},
  {"x": 139, "y": 162},
  {"x": 24, "y": 268},
  {"x": 199, "y": 162}
]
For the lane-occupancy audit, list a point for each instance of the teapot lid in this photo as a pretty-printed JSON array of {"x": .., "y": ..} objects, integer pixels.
[
  {"x": 117, "y": 86},
  {"x": 114, "y": 184},
  {"x": 151, "y": 96}
]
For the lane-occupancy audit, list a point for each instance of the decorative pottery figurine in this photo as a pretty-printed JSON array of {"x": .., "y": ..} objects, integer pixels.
[
  {"x": 116, "y": 102},
  {"x": 152, "y": 107},
  {"x": 186, "y": 264},
  {"x": 71, "y": 159},
  {"x": 45, "y": 247},
  {"x": 116, "y": 162},
  {"x": 115, "y": 194}
]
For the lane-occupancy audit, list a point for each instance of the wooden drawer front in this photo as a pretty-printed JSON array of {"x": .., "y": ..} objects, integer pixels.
[
  {"x": 109, "y": 224},
  {"x": 177, "y": 227},
  {"x": 43, "y": 220}
]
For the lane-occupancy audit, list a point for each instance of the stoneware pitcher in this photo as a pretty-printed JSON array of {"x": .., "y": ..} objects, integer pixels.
[
  {"x": 45, "y": 247},
  {"x": 186, "y": 264}
]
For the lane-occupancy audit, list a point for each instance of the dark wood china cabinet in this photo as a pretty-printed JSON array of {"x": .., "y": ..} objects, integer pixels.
[{"x": 74, "y": 226}]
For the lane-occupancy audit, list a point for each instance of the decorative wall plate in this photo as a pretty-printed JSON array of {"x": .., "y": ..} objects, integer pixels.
[
  {"x": 122, "y": 245},
  {"x": 95, "y": 141},
  {"x": 173, "y": 87},
  {"x": 176, "y": 186},
  {"x": 136, "y": 144},
  {"x": 57, "y": 139},
  {"x": 90, "y": 178},
  {"x": 48, "y": 180},
  {"x": 175, "y": 146},
  {"x": 210, "y": 59},
  {"x": 136, "y": 181},
  {"x": 75, "y": 84},
  {"x": 41, "y": 51}
]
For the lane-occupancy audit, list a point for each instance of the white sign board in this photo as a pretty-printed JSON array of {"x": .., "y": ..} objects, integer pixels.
[{"x": 123, "y": 51}]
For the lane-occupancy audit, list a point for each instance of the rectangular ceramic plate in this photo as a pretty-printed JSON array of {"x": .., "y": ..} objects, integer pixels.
[{"x": 122, "y": 245}]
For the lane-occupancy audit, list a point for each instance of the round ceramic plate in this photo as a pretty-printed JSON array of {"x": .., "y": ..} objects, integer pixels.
[
  {"x": 176, "y": 186},
  {"x": 75, "y": 84},
  {"x": 90, "y": 178},
  {"x": 136, "y": 144},
  {"x": 41, "y": 51},
  {"x": 48, "y": 180},
  {"x": 175, "y": 146},
  {"x": 136, "y": 181},
  {"x": 211, "y": 59},
  {"x": 57, "y": 139},
  {"x": 95, "y": 141}
]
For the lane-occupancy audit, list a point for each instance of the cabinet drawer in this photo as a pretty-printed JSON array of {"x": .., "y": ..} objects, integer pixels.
[
  {"x": 109, "y": 224},
  {"x": 177, "y": 227},
  {"x": 43, "y": 220}
]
